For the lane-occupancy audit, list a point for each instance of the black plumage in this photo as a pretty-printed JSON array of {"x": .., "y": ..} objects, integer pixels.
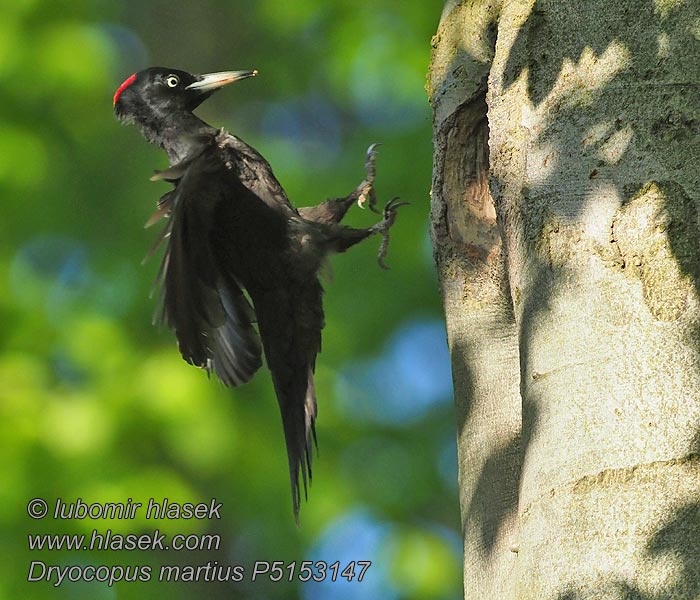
[{"x": 239, "y": 273}]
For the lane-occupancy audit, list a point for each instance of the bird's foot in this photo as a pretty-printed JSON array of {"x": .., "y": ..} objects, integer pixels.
[
  {"x": 365, "y": 191},
  {"x": 383, "y": 227}
]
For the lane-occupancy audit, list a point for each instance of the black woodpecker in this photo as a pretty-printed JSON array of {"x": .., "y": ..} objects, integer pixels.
[{"x": 232, "y": 231}]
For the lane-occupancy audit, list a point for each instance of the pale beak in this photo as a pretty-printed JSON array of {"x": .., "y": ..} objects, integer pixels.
[{"x": 213, "y": 81}]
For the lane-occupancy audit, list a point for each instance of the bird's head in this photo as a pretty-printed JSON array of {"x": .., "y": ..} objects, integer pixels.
[{"x": 157, "y": 92}]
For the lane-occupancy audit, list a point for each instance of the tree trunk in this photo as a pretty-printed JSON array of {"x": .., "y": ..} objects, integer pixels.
[{"x": 566, "y": 193}]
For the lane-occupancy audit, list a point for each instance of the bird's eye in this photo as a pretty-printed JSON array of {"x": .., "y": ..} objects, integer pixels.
[{"x": 172, "y": 81}]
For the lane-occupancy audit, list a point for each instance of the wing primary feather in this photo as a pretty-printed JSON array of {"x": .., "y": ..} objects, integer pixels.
[{"x": 199, "y": 300}]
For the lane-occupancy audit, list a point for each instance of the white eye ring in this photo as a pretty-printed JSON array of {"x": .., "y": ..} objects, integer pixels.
[{"x": 172, "y": 81}]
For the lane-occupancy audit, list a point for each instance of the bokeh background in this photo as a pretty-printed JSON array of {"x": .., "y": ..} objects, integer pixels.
[{"x": 95, "y": 403}]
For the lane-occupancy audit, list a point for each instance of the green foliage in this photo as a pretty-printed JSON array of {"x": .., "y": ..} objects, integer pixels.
[{"x": 96, "y": 403}]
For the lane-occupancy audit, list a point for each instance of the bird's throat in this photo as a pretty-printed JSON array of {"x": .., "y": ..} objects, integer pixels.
[{"x": 181, "y": 135}]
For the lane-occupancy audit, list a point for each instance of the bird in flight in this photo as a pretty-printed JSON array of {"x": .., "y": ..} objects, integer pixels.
[{"x": 239, "y": 274}]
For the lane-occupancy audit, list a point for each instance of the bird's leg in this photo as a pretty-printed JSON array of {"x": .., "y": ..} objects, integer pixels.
[
  {"x": 364, "y": 192},
  {"x": 384, "y": 226},
  {"x": 343, "y": 238},
  {"x": 333, "y": 211}
]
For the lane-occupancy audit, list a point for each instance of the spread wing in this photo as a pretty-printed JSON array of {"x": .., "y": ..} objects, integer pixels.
[{"x": 201, "y": 299}]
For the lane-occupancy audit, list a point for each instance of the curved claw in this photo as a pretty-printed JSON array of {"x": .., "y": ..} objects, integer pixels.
[
  {"x": 393, "y": 205},
  {"x": 390, "y": 212},
  {"x": 367, "y": 197}
]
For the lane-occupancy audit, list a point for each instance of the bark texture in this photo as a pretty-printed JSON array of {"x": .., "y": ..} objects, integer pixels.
[
  {"x": 566, "y": 195},
  {"x": 481, "y": 328}
]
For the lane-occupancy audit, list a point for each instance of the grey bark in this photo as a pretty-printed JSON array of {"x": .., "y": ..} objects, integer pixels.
[{"x": 566, "y": 193}]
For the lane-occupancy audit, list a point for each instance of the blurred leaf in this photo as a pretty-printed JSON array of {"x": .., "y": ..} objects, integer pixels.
[{"x": 423, "y": 564}]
